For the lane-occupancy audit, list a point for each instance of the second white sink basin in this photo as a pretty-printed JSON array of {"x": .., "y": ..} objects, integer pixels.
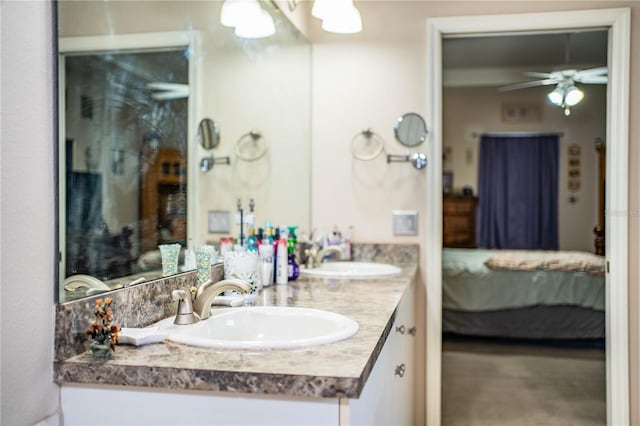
[
  {"x": 352, "y": 270},
  {"x": 262, "y": 328}
]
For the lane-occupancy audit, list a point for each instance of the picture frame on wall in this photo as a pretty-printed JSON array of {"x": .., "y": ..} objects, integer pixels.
[{"x": 447, "y": 181}]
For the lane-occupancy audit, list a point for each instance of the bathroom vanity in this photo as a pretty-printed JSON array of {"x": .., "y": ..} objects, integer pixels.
[{"x": 366, "y": 379}]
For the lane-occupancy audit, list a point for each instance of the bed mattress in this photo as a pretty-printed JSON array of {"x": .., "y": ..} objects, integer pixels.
[{"x": 469, "y": 285}]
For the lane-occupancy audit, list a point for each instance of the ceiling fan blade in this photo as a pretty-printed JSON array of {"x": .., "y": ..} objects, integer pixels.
[
  {"x": 539, "y": 74},
  {"x": 595, "y": 79},
  {"x": 535, "y": 83},
  {"x": 594, "y": 71}
]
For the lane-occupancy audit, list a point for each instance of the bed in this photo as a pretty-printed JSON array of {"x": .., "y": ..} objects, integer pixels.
[{"x": 523, "y": 294}]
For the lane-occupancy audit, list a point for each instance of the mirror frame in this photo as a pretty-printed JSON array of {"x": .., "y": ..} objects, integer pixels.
[
  {"x": 208, "y": 134},
  {"x": 402, "y": 120}
]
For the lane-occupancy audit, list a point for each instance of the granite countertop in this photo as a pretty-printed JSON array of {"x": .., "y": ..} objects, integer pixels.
[{"x": 334, "y": 370}]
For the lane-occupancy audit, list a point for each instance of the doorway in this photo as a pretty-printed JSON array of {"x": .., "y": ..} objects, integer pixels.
[
  {"x": 513, "y": 343},
  {"x": 617, "y": 23}
]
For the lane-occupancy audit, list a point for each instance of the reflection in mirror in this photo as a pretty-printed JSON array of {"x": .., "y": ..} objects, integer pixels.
[
  {"x": 411, "y": 130},
  {"x": 136, "y": 83},
  {"x": 208, "y": 134},
  {"x": 125, "y": 127}
]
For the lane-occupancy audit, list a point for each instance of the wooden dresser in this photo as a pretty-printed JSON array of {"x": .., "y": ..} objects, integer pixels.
[{"x": 459, "y": 221}]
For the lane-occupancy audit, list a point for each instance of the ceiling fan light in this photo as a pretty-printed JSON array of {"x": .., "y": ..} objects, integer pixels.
[
  {"x": 573, "y": 96},
  {"x": 556, "y": 97},
  {"x": 345, "y": 19}
]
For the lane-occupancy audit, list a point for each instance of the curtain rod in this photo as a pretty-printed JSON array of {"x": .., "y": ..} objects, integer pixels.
[{"x": 477, "y": 135}]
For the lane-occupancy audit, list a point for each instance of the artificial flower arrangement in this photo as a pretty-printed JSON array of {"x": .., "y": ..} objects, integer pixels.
[{"x": 102, "y": 331}]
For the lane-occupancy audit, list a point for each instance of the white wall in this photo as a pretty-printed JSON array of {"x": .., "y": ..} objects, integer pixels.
[
  {"x": 369, "y": 79},
  {"x": 477, "y": 110},
  {"x": 28, "y": 392}
]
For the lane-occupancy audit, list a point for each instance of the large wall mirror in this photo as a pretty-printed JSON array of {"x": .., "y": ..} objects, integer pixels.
[{"x": 136, "y": 79}]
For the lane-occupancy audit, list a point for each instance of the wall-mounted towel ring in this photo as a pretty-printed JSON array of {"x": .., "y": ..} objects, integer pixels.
[
  {"x": 251, "y": 146},
  {"x": 366, "y": 145}
]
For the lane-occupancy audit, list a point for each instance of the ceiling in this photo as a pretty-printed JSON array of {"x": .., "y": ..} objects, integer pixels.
[{"x": 502, "y": 59}]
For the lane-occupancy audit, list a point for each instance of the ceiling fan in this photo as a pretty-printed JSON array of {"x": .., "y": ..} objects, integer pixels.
[{"x": 566, "y": 94}]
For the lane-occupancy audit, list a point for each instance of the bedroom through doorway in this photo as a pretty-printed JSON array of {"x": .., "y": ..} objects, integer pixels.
[{"x": 523, "y": 288}]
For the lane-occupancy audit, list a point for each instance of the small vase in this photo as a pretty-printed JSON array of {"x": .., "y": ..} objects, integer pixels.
[{"x": 101, "y": 351}]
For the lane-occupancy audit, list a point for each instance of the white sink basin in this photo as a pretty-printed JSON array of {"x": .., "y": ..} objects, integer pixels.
[
  {"x": 262, "y": 328},
  {"x": 351, "y": 270}
]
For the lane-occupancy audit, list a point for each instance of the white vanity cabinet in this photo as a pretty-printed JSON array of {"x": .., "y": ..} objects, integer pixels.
[
  {"x": 386, "y": 399},
  {"x": 388, "y": 396}
]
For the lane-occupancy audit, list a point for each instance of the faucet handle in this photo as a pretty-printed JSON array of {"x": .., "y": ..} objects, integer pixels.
[{"x": 185, "y": 313}]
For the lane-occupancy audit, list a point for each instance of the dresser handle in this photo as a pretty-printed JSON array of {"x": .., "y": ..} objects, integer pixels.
[
  {"x": 401, "y": 329},
  {"x": 412, "y": 331},
  {"x": 400, "y": 370}
]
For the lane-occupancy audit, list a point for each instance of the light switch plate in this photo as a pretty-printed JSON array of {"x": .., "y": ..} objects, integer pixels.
[
  {"x": 405, "y": 222},
  {"x": 219, "y": 221}
]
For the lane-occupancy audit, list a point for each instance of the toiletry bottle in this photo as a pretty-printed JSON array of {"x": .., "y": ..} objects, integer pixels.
[
  {"x": 226, "y": 245},
  {"x": 293, "y": 267},
  {"x": 276, "y": 238},
  {"x": 252, "y": 242},
  {"x": 346, "y": 244},
  {"x": 265, "y": 270},
  {"x": 282, "y": 268}
]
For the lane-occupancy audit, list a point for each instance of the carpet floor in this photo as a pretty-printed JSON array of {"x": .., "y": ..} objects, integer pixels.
[{"x": 495, "y": 384}]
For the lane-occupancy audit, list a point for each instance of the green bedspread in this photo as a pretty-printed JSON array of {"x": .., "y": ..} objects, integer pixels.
[{"x": 469, "y": 285}]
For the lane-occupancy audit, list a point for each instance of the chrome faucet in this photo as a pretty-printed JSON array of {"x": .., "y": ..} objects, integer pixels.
[
  {"x": 200, "y": 309},
  {"x": 315, "y": 257}
]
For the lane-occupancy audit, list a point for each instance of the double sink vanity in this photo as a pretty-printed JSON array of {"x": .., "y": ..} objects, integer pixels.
[{"x": 347, "y": 376}]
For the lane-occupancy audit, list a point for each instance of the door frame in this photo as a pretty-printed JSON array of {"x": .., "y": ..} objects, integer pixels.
[{"x": 617, "y": 21}]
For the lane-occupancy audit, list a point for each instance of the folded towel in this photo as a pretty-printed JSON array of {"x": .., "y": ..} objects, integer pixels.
[{"x": 141, "y": 336}]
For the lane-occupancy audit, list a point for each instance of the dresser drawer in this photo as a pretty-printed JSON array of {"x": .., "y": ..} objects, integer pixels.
[
  {"x": 459, "y": 221},
  {"x": 458, "y": 207}
]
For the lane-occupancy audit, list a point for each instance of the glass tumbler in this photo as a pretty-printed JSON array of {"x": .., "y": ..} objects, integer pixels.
[
  {"x": 203, "y": 264},
  {"x": 169, "y": 254}
]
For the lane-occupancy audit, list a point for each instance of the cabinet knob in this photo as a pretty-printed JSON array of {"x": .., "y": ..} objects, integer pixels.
[
  {"x": 412, "y": 331},
  {"x": 401, "y": 329},
  {"x": 400, "y": 370}
]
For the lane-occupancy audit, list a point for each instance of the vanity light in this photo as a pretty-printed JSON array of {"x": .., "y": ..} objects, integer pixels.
[
  {"x": 248, "y": 18},
  {"x": 338, "y": 16}
]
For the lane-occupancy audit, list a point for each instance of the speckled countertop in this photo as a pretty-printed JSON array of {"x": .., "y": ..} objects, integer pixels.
[{"x": 334, "y": 370}]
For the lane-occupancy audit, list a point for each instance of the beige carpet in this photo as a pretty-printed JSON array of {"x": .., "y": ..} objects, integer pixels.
[{"x": 497, "y": 384}]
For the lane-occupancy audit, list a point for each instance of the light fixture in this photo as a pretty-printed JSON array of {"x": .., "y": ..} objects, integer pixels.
[
  {"x": 248, "y": 19},
  {"x": 566, "y": 95},
  {"x": 322, "y": 8},
  {"x": 573, "y": 96},
  {"x": 338, "y": 16}
]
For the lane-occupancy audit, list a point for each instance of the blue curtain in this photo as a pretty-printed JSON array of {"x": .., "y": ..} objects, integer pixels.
[{"x": 518, "y": 192}]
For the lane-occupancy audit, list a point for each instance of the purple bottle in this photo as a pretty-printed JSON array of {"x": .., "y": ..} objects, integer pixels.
[{"x": 294, "y": 269}]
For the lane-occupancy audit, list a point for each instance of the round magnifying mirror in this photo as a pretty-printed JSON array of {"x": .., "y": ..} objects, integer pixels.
[
  {"x": 411, "y": 129},
  {"x": 209, "y": 134}
]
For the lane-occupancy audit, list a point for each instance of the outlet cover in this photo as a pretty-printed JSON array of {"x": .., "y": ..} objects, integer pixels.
[
  {"x": 405, "y": 222},
  {"x": 219, "y": 221}
]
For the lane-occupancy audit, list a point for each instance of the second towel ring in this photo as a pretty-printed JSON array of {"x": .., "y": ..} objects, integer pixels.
[
  {"x": 257, "y": 144},
  {"x": 368, "y": 137}
]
